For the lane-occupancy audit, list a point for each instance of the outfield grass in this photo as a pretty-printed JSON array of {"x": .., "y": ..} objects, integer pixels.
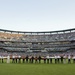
[{"x": 37, "y": 69}]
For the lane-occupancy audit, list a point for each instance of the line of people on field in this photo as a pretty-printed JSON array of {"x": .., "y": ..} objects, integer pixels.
[
  {"x": 2, "y": 58},
  {"x": 27, "y": 59},
  {"x": 46, "y": 59},
  {"x": 37, "y": 59}
]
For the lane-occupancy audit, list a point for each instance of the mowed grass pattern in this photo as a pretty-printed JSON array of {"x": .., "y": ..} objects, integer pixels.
[{"x": 37, "y": 69}]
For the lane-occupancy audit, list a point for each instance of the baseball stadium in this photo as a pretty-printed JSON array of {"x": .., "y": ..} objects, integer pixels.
[
  {"x": 37, "y": 53},
  {"x": 37, "y": 37}
]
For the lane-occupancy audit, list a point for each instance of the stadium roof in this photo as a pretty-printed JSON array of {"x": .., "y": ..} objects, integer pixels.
[{"x": 11, "y": 31}]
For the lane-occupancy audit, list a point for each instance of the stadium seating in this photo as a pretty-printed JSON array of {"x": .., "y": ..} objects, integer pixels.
[{"x": 40, "y": 42}]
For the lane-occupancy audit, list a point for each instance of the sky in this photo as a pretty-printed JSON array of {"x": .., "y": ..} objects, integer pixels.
[{"x": 37, "y": 15}]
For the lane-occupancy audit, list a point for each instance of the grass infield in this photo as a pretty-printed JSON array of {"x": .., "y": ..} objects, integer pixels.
[{"x": 37, "y": 69}]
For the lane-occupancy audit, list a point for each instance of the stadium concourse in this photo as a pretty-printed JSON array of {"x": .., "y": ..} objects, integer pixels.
[{"x": 51, "y": 45}]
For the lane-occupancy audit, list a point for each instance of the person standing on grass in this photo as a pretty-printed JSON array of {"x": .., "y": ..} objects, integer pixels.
[
  {"x": 44, "y": 59},
  {"x": 47, "y": 59},
  {"x": 8, "y": 59},
  {"x": 13, "y": 59},
  {"x": 19, "y": 57},
  {"x": 64, "y": 59},
  {"x": 61, "y": 58},
  {"x": 16, "y": 59},
  {"x": 69, "y": 59},
  {"x": 2, "y": 59},
  {"x": 32, "y": 59},
  {"x": 58, "y": 59},
  {"x": 55, "y": 59},
  {"x": 39, "y": 58},
  {"x": 27, "y": 59},
  {"x": 23, "y": 59},
  {"x": 73, "y": 58},
  {"x": 36, "y": 58},
  {"x": 51, "y": 59}
]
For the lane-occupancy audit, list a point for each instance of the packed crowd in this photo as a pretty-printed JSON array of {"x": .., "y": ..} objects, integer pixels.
[
  {"x": 44, "y": 43},
  {"x": 37, "y": 38}
]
